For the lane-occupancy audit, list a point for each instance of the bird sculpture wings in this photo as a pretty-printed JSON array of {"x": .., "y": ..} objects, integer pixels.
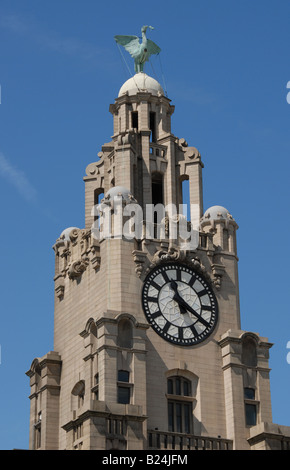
[{"x": 139, "y": 51}]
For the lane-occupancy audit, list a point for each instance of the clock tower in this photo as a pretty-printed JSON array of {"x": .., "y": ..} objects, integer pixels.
[{"x": 148, "y": 347}]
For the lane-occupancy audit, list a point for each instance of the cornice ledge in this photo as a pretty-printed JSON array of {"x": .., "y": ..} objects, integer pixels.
[
  {"x": 119, "y": 348},
  {"x": 117, "y": 317},
  {"x": 232, "y": 365},
  {"x": 49, "y": 387},
  {"x": 167, "y": 137},
  {"x": 245, "y": 367},
  {"x": 266, "y": 430},
  {"x": 103, "y": 414}
]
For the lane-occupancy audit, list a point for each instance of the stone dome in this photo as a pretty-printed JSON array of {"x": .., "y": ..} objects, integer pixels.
[
  {"x": 65, "y": 233},
  {"x": 141, "y": 82},
  {"x": 117, "y": 191},
  {"x": 216, "y": 212}
]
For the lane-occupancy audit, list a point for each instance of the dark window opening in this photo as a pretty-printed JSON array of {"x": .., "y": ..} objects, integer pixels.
[
  {"x": 134, "y": 116},
  {"x": 179, "y": 417},
  {"x": 249, "y": 394},
  {"x": 178, "y": 386},
  {"x": 249, "y": 352},
  {"x": 186, "y": 389},
  {"x": 170, "y": 386},
  {"x": 185, "y": 192},
  {"x": 95, "y": 389},
  {"x": 157, "y": 188},
  {"x": 157, "y": 197},
  {"x": 124, "y": 388},
  {"x": 187, "y": 413},
  {"x": 251, "y": 414},
  {"x": 152, "y": 125},
  {"x": 170, "y": 417},
  {"x": 125, "y": 334},
  {"x": 179, "y": 409},
  {"x": 98, "y": 196},
  {"x": 124, "y": 395},
  {"x": 123, "y": 376}
]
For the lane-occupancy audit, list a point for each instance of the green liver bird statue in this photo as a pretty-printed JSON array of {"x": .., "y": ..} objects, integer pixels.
[{"x": 139, "y": 51}]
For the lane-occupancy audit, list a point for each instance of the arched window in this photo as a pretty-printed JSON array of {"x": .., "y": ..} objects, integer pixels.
[
  {"x": 185, "y": 197},
  {"x": 78, "y": 395},
  {"x": 249, "y": 352},
  {"x": 98, "y": 196},
  {"x": 179, "y": 404},
  {"x": 125, "y": 333}
]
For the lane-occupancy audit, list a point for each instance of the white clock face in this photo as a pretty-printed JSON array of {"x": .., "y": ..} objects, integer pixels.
[{"x": 179, "y": 304}]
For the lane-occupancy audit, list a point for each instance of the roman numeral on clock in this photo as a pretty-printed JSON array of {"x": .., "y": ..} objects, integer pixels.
[
  {"x": 166, "y": 327},
  {"x": 152, "y": 299},
  {"x": 178, "y": 275},
  {"x": 193, "y": 329},
  {"x": 192, "y": 281},
  {"x": 154, "y": 284},
  {"x": 165, "y": 277},
  {"x": 202, "y": 292},
  {"x": 155, "y": 314},
  {"x": 206, "y": 307}
]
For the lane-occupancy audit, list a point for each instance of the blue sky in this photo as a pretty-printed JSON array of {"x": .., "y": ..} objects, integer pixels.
[{"x": 225, "y": 65}]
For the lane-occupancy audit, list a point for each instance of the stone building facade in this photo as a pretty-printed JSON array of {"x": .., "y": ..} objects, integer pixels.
[{"x": 148, "y": 347}]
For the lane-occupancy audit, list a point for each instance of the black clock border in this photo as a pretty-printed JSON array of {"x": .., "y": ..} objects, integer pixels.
[{"x": 185, "y": 342}]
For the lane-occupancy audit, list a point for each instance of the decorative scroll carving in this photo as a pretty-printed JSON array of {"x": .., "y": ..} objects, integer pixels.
[
  {"x": 172, "y": 254},
  {"x": 183, "y": 142},
  {"x": 188, "y": 156},
  {"x": 192, "y": 153},
  {"x": 59, "y": 287},
  {"x": 96, "y": 170},
  {"x": 77, "y": 268},
  {"x": 139, "y": 258},
  {"x": 218, "y": 271},
  {"x": 96, "y": 258},
  {"x": 73, "y": 235}
]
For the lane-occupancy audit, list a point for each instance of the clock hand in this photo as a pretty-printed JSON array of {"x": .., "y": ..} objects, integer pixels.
[
  {"x": 181, "y": 307},
  {"x": 174, "y": 286},
  {"x": 185, "y": 305}
]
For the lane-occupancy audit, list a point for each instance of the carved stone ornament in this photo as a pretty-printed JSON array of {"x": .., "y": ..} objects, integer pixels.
[
  {"x": 96, "y": 168},
  {"x": 173, "y": 254},
  {"x": 139, "y": 258},
  {"x": 218, "y": 272},
  {"x": 59, "y": 289},
  {"x": 96, "y": 258},
  {"x": 77, "y": 268}
]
